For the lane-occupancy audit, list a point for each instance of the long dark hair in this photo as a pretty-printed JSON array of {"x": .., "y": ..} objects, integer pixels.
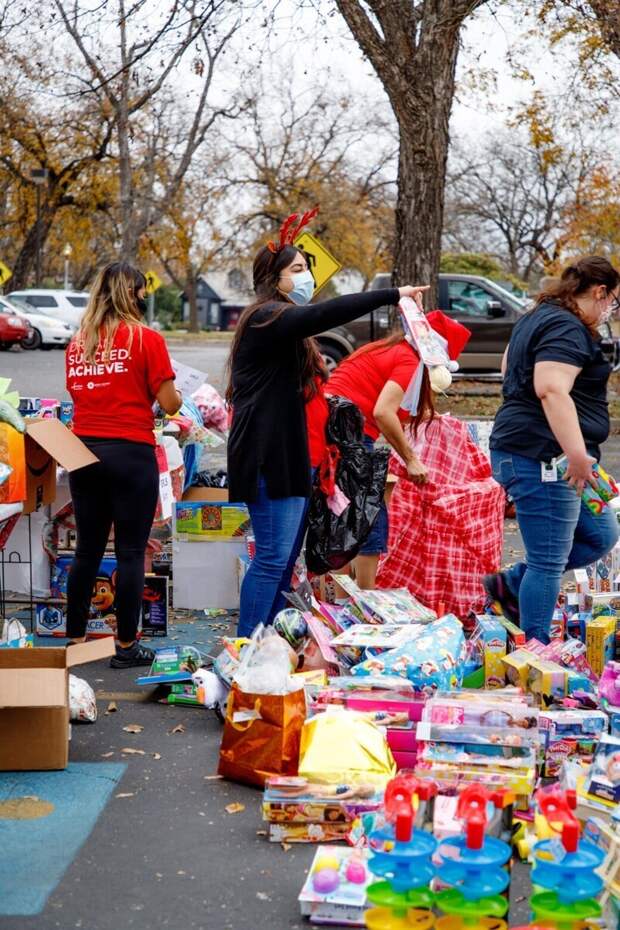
[
  {"x": 426, "y": 405},
  {"x": 267, "y": 268},
  {"x": 576, "y": 280}
]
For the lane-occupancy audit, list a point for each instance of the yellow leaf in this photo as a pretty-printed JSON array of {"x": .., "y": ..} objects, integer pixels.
[{"x": 234, "y": 808}]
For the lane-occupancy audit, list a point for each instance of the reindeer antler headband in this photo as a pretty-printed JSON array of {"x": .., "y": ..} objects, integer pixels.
[{"x": 289, "y": 231}]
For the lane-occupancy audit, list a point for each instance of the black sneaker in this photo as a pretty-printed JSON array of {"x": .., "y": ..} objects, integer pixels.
[
  {"x": 131, "y": 656},
  {"x": 498, "y": 590}
]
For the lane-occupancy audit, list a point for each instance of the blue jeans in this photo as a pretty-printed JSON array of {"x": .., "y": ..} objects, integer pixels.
[
  {"x": 278, "y": 526},
  {"x": 559, "y": 534},
  {"x": 377, "y": 541}
]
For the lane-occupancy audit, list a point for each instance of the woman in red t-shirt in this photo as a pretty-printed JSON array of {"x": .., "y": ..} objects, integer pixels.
[
  {"x": 116, "y": 368},
  {"x": 376, "y": 378}
]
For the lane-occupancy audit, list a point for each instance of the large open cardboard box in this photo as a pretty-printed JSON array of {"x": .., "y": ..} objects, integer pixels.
[
  {"x": 34, "y": 703},
  {"x": 49, "y": 442}
]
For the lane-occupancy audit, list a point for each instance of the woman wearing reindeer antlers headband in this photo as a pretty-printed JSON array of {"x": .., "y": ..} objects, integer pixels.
[{"x": 274, "y": 368}]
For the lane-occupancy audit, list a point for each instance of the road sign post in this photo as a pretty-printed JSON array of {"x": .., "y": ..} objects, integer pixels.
[{"x": 153, "y": 283}]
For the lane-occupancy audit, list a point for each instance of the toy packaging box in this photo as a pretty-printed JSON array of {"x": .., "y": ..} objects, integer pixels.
[
  {"x": 546, "y": 680},
  {"x": 604, "y": 779},
  {"x": 155, "y": 606},
  {"x": 323, "y": 832},
  {"x": 310, "y": 807},
  {"x": 494, "y": 644},
  {"x": 204, "y": 520},
  {"x": 345, "y": 905},
  {"x": 600, "y": 642},
  {"x": 51, "y": 619}
]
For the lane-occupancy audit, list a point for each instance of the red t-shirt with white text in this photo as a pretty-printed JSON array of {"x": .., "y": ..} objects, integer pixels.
[
  {"x": 362, "y": 376},
  {"x": 113, "y": 397}
]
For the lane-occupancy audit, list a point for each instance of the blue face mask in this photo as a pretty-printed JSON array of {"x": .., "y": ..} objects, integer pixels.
[{"x": 303, "y": 287}]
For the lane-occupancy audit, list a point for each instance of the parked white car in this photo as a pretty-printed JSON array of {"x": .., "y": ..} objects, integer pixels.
[
  {"x": 67, "y": 306},
  {"x": 45, "y": 331}
]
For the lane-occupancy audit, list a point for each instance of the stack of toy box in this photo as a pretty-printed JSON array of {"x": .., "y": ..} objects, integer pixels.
[{"x": 477, "y": 736}]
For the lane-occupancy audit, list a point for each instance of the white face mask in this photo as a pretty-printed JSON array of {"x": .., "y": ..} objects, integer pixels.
[{"x": 303, "y": 287}]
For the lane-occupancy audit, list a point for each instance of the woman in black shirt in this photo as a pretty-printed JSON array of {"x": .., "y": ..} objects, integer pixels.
[
  {"x": 555, "y": 403},
  {"x": 275, "y": 369}
]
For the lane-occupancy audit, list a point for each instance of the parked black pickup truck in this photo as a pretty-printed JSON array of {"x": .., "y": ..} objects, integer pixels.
[{"x": 486, "y": 308}]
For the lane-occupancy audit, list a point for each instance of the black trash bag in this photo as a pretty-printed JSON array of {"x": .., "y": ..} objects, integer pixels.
[{"x": 360, "y": 473}]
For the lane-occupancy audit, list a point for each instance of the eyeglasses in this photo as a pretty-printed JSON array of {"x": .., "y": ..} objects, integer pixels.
[{"x": 615, "y": 305}]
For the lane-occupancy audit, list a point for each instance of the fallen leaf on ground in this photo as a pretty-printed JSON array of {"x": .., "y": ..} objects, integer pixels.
[
  {"x": 133, "y": 728},
  {"x": 211, "y": 777},
  {"x": 261, "y": 833},
  {"x": 285, "y": 846},
  {"x": 156, "y": 755},
  {"x": 106, "y": 755},
  {"x": 180, "y": 728},
  {"x": 234, "y": 808},
  {"x": 127, "y": 794},
  {"x": 112, "y": 708},
  {"x": 133, "y": 752}
]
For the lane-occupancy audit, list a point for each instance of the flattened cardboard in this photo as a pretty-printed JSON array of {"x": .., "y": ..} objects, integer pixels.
[
  {"x": 34, "y": 703},
  {"x": 49, "y": 442}
]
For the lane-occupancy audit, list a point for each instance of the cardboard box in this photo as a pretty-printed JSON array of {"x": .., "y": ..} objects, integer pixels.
[
  {"x": 604, "y": 778},
  {"x": 49, "y": 442},
  {"x": 155, "y": 606},
  {"x": 13, "y": 453},
  {"x": 546, "y": 679},
  {"x": 34, "y": 703},
  {"x": 494, "y": 643},
  {"x": 206, "y": 494},
  {"x": 517, "y": 666},
  {"x": 600, "y": 642},
  {"x": 51, "y": 619},
  {"x": 207, "y": 520},
  {"x": 205, "y": 574}
]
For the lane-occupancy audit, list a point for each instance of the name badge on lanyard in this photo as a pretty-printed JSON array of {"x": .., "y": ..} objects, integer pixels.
[{"x": 548, "y": 471}]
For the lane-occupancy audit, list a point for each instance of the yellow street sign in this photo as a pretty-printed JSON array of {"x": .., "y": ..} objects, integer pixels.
[
  {"x": 5, "y": 273},
  {"x": 153, "y": 282},
  {"x": 322, "y": 263}
]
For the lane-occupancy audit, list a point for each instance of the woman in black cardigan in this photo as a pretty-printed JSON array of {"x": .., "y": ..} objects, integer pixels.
[{"x": 275, "y": 367}]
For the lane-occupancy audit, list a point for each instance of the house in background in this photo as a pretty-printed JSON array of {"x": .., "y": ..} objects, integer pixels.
[{"x": 220, "y": 299}]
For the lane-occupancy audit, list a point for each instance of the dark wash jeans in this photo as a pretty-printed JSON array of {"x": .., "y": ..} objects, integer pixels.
[{"x": 559, "y": 534}]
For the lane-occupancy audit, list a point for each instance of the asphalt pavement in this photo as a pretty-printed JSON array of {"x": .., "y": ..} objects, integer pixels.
[
  {"x": 42, "y": 374},
  {"x": 165, "y": 851}
]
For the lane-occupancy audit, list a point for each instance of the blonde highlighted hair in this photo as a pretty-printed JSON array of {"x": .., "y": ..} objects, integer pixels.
[{"x": 113, "y": 300}]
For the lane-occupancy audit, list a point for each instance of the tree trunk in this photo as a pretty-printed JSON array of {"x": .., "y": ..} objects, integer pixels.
[
  {"x": 129, "y": 240},
  {"x": 192, "y": 299},
  {"x": 413, "y": 47},
  {"x": 26, "y": 257}
]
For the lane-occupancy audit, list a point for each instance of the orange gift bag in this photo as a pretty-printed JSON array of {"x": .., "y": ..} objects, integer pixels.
[{"x": 262, "y": 733}]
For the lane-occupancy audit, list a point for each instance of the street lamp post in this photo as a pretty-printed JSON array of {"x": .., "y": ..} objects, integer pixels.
[
  {"x": 39, "y": 177},
  {"x": 67, "y": 252}
]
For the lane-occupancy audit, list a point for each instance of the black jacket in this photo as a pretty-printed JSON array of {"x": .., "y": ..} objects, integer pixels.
[{"x": 268, "y": 434}]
